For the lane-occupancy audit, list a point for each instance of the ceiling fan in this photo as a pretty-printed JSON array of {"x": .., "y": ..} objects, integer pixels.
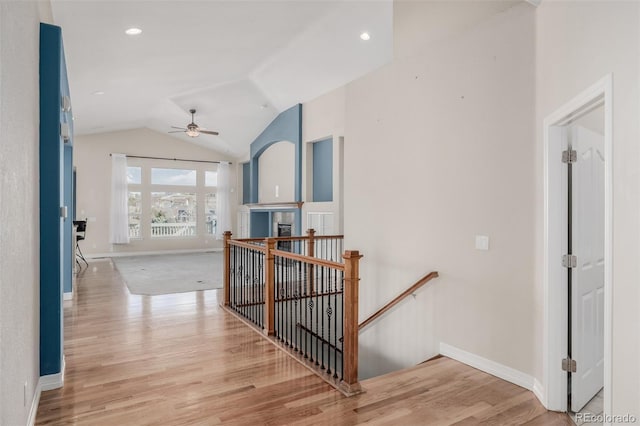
[{"x": 192, "y": 129}]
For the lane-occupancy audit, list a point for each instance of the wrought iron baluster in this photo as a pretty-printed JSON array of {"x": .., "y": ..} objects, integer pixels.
[
  {"x": 341, "y": 282},
  {"x": 336, "y": 319},
  {"x": 317, "y": 306},
  {"x": 305, "y": 335},
  {"x": 329, "y": 315},
  {"x": 279, "y": 291},
  {"x": 322, "y": 292}
]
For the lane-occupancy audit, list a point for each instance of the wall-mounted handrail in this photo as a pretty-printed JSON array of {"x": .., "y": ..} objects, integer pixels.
[{"x": 422, "y": 281}]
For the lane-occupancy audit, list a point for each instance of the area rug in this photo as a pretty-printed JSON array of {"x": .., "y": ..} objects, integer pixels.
[{"x": 171, "y": 273}]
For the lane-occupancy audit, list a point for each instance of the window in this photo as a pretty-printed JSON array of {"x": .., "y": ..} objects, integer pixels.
[
  {"x": 210, "y": 178},
  {"x": 135, "y": 213},
  {"x": 171, "y": 203},
  {"x": 173, "y": 214},
  {"x": 134, "y": 175},
  {"x": 179, "y": 177},
  {"x": 134, "y": 179},
  {"x": 210, "y": 213}
]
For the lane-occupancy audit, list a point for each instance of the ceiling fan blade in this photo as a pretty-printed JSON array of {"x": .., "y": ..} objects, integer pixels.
[
  {"x": 176, "y": 131},
  {"x": 175, "y": 127},
  {"x": 209, "y": 132}
]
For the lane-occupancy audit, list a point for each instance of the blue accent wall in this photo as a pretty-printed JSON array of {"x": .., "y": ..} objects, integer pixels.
[
  {"x": 260, "y": 224},
  {"x": 287, "y": 126},
  {"x": 246, "y": 183},
  {"x": 69, "y": 247},
  {"x": 55, "y": 191},
  {"x": 323, "y": 170}
]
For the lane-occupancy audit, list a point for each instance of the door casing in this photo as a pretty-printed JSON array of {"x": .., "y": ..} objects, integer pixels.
[{"x": 555, "y": 327}]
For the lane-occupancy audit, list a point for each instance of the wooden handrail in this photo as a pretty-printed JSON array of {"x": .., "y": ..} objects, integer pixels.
[
  {"x": 309, "y": 260},
  {"x": 292, "y": 238},
  {"x": 250, "y": 246},
  {"x": 422, "y": 281}
]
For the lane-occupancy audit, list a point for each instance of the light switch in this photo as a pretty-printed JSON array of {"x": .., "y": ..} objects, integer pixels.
[{"x": 482, "y": 242}]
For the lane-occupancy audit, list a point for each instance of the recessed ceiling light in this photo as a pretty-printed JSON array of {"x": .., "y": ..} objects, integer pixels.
[
  {"x": 365, "y": 36},
  {"x": 133, "y": 31},
  {"x": 98, "y": 93}
]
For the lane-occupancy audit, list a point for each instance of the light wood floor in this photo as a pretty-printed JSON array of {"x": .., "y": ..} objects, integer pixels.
[{"x": 181, "y": 360}]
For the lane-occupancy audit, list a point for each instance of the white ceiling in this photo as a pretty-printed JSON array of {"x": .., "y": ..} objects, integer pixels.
[{"x": 239, "y": 63}]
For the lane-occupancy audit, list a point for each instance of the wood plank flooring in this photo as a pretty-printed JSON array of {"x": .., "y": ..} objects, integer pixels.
[{"x": 181, "y": 360}]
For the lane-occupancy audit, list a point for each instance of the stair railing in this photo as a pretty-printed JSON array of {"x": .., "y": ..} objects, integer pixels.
[{"x": 295, "y": 292}]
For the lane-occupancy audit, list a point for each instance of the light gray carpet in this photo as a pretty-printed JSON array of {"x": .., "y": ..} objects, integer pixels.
[{"x": 171, "y": 273}]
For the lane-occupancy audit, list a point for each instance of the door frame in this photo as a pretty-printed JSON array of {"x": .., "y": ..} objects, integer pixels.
[{"x": 555, "y": 328}]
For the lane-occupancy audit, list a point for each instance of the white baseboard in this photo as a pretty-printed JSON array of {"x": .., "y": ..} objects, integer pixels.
[
  {"x": 31, "y": 420},
  {"x": 52, "y": 381},
  {"x": 149, "y": 253},
  {"x": 68, "y": 296},
  {"x": 495, "y": 369},
  {"x": 538, "y": 391}
]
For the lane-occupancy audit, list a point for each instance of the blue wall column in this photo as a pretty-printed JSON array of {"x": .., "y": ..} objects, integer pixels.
[{"x": 55, "y": 192}]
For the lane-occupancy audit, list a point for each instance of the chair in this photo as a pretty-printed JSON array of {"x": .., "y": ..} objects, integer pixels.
[{"x": 81, "y": 234}]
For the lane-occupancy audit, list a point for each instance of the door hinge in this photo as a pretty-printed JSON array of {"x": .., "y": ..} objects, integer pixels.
[
  {"x": 569, "y": 156},
  {"x": 569, "y": 261},
  {"x": 569, "y": 365}
]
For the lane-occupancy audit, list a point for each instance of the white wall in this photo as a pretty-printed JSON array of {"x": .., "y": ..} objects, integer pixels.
[
  {"x": 439, "y": 148},
  {"x": 324, "y": 117},
  {"x": 93, "y": 166},
  {"x": 578, "y": 43},
  {"x": 19, "y": 208},
  {"x": 276, "y": 167}
]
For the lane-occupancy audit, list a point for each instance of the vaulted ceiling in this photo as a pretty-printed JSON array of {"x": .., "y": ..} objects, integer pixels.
[{"x": 239, "y": 63}]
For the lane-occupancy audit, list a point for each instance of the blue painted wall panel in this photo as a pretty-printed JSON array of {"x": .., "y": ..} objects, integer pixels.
[
  {"x": 260, "y": 224},
  {"x": 323, "y": 171},
  {"x": 55, "y": 164},
  {"x": 68, "y": 258},
  {"x": 287, "y": 126},
  {"x": 246, "y": 183}
]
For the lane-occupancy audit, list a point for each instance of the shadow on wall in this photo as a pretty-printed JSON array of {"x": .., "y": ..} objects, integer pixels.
[{"x": 373, "y": 363}]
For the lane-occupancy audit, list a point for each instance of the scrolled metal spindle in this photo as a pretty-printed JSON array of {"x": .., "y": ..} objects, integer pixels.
[
  {"x": 329, "y": 315},
  {"x": 336, "y": 319}
]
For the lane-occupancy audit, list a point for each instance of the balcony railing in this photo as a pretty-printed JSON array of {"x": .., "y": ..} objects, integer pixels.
[
  {"x": 183, "y": 229},
  {"x": 306, "y": 303}
]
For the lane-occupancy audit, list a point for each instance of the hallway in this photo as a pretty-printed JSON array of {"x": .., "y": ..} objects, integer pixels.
[{"x": 180, "y": 360}]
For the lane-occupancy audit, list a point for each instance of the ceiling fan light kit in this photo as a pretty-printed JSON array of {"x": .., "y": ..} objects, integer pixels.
[{"x": 193, "y": 130}]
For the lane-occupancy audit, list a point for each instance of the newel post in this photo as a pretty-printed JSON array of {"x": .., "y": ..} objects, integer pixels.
[
  {"x": 269, "y": 285},
  {"x": 311, "y": 246},
  {"x": 227, "y": 267},
  {"x": 350, "y": 344}
]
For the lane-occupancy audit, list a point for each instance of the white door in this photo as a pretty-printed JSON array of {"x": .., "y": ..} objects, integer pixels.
[{"x": 587, "y": 279}]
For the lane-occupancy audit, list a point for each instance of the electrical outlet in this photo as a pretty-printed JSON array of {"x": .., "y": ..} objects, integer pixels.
[{"x": 482, "y": 242}]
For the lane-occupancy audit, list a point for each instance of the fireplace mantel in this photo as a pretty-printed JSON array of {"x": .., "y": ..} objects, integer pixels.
[{"x": 276, "y": 206}]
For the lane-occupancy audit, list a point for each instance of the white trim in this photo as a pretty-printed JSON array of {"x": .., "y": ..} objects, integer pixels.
[
  {"x": 536, "y": 3},
  {"x": 35, "y": 402},
  {"x": 555, "y": 298},
  {"x": 68, "y": 295},
  {"x": 148, "y": 253},
  {"x": 494, "y": 368},
  {"x": 52, "y": 381},
  {"x": 538, "y": 390}
]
